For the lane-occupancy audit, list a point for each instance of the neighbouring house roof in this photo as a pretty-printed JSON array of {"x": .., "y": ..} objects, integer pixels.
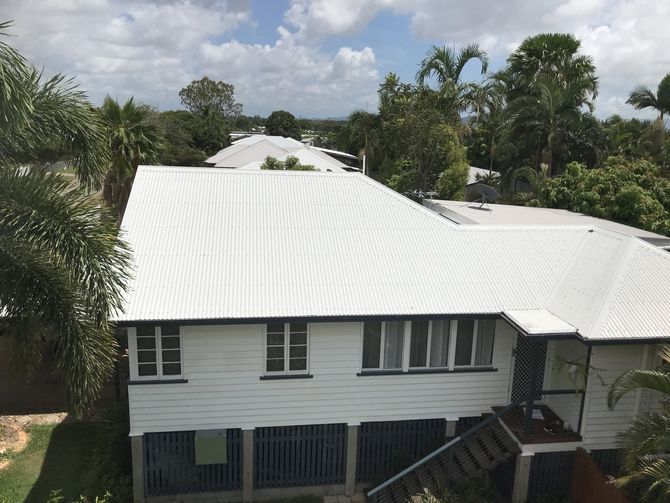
[
  {"x": 250, "y": 152},
  {"x": 319, "y": 160},
  {"x": 215, "y": 244},
  {"x": 506, "y": 214},
  {"x": 473, "y": 173}
]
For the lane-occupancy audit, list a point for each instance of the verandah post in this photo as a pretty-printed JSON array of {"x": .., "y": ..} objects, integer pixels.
[{"x": 247, "y": 465}]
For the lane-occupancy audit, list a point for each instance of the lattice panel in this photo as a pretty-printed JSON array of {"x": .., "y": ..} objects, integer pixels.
[{"x": 523, "y": 364}]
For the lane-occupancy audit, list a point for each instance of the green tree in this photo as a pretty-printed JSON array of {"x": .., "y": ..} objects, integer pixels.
[
  {"x": 283, "y": 123},
  {"x": 292, "y": 163},
  {"x": 179, "y": 129},
  {"x": 630, "y": 192},
  {"x": 551, "y": 56},
  {"x": 545, "y": 116},
  {"x": 206, "y": 97},
  {"x": 62, "y": 268},
  {"x": 131, "y": 142},
  {"x": 642, "y": 97},
  {"x": 446, "y": 66},
  {"x": 38, "y": 113},
  {"x": 646, "y": 443}
]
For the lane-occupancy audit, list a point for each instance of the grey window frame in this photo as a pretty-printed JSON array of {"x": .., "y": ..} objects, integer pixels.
[{"x": 287, "y": 350}]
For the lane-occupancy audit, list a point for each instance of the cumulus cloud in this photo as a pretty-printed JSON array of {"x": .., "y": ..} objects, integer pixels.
[
  {"x": 151, "y": 49},
  {"x": 291, "y": 76},
  {"x": 627, "y": 38}
]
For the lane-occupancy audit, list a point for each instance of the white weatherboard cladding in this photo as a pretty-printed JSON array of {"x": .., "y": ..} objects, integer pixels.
[
  {"x": 601, "y": 424},
  {"x": 212, "y": 244},
  {"x": 223, "y": 365},
  {"x": 567, "y": 406}
]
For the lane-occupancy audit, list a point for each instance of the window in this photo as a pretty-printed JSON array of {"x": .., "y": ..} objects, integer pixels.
[
  {"x": 425, "y": 344},
  {"x": 286, "y": 348},
  {"x": 158, "y": 352},
  {"x": 383, "y": 343},
  {"x": 474, "y": 343}
]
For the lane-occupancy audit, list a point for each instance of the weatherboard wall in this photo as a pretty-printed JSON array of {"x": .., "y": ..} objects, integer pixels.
[
  {"x": 223, "y": 366},
  {"x": 601, "y": 424}
]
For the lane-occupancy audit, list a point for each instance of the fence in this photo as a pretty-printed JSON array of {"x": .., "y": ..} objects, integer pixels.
[
  {"x": 590, "y": 484},
  {"x": 386, "y": 448},
  {"x": 169, "y": 464},
  {"x": 550, "y": 474},
  {"x": 608, "y": 460},
  {"x": 289, "y": 456}
]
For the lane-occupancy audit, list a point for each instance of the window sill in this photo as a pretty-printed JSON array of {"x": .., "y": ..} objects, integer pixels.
[
  {"x": 286, "y": 376},
  {"x": 452, "y": 371},
  {"x": 426, "y": 371},
  {"x": 394, "y": 372},
  {"x": 157, "y": 381}
]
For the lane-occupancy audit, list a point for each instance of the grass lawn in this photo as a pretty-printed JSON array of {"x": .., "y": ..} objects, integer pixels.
[{"x": 56, "y": 457}]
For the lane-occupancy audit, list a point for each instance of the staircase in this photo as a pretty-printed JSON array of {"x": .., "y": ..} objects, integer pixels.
[{"x": 480, "y": 449}]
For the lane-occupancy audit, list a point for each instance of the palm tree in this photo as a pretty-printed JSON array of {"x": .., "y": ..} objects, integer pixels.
[
  {"x": 545, "y": 115},
  {"x": 446, "y": 66},
  {"x": 646, "y": 443},
  {"x": 61, "y": 264},
  {"x": 361, "y": 126},
  {"x": 132, "y": 141},
  {"x": 555, "y": 56},
  {"x": 643, "y": 97}
]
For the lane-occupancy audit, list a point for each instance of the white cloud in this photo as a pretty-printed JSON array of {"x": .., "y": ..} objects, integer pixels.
[
  {"x": 627, "y": 38},
  {"x": 293, "y": 77},
  {"x": 151, "y": 49},
  {"x": 121, "y": 47}
]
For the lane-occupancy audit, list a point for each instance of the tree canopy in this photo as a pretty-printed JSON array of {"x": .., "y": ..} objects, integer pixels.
[
  {"x": 206, "y": 97},
  {"x": 132, "y": 141},
  {"x": 291, "y": 163},
  {"x": 283, "y": 123}
]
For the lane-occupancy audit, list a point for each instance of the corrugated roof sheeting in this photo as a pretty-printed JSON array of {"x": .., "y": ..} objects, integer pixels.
[
  {"x": 638, "y": 304},
  {"x": 215, "y": 244}
]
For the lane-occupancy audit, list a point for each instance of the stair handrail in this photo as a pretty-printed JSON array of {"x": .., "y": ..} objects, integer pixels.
[{"x": 460, "y": 438}]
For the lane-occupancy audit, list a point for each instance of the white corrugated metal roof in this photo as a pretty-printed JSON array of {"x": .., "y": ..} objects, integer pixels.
[
  {"x": 212, "y": 243},
  {"x": 481, "y": 172},
  {"x": 249, "y": 153},
  {"x": 507, "y": 214},
  {"x": 228, "y": 244}
]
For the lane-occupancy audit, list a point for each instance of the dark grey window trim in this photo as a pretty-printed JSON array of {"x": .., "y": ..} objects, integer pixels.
[
  {"x": 384, "y": 372},
  {"x": 158, "y": 381},
  {"x": 286, "y": 376},
  {"x": 427, "y": 371}
]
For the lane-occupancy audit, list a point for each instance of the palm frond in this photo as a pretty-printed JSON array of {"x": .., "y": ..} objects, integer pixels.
[
  {"x": 63, "y": 269},
  {"x": 642, "y": 97},
  {"x": 467, "y": 54},
  {"x": 633, "y": 380}
]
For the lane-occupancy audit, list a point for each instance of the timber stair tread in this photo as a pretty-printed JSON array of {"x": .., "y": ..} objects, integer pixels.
[{"x": 481, "y": 451}]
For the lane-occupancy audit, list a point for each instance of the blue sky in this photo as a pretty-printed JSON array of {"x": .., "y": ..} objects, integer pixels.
[{"x": 321, "y": 58}]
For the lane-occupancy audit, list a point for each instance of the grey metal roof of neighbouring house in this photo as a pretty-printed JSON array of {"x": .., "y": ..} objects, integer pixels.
[{"x": 215, "y": 244}]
